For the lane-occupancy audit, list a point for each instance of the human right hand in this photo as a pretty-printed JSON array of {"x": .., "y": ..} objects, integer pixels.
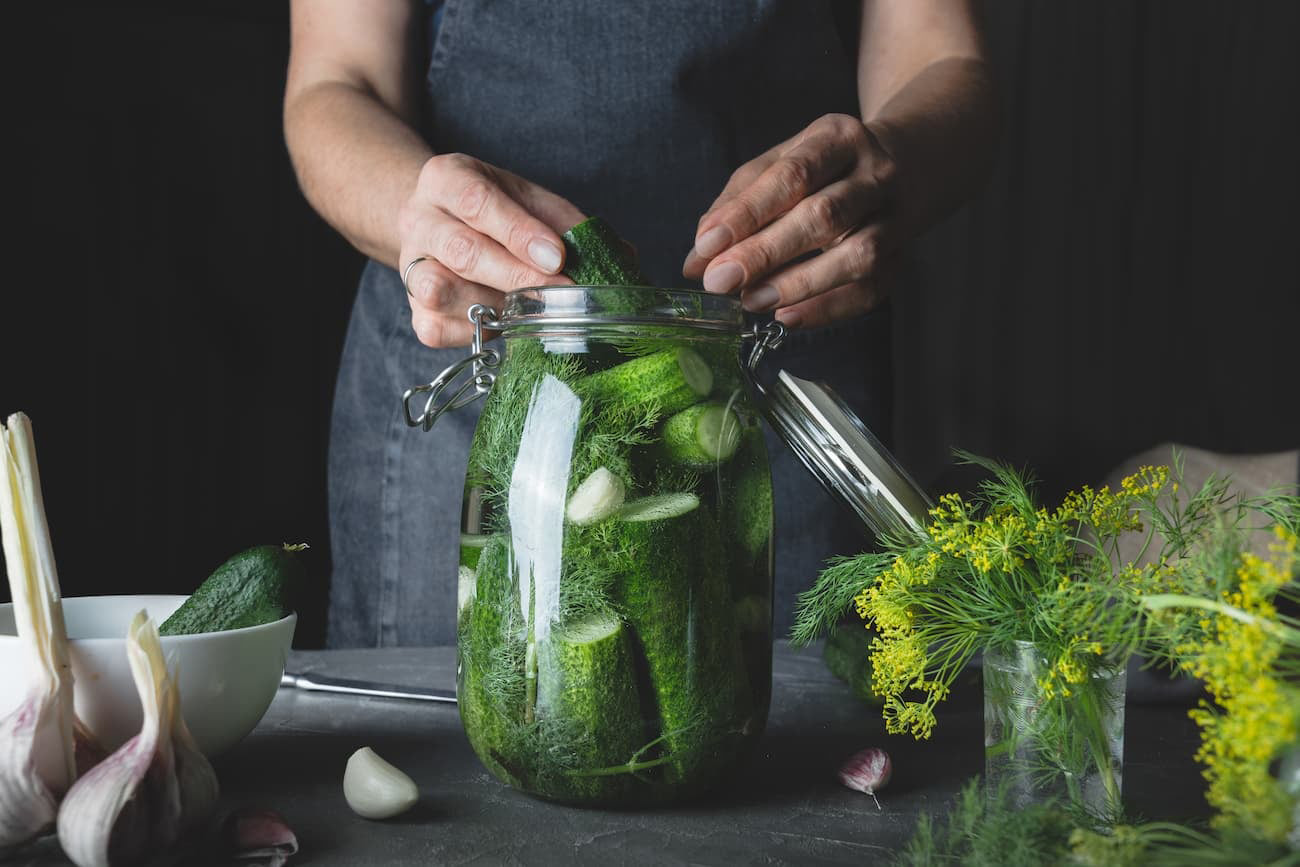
[{"x": 482, "y": 231}]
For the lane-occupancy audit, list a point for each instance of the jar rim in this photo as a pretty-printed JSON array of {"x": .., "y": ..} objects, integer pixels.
[{"x": 590, "y": 305}]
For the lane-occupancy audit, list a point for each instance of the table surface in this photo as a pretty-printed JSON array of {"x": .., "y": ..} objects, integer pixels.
[{"x": 785, "y": 807}]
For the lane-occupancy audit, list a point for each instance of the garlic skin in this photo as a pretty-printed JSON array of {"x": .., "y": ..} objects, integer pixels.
[
  {"x": 258, "y": 835},
  {"x": 868, "y": 771},
  {"x": 374, "y": 789},
  {"x": 37, "y": 747},
  {"x": 143, "y": 797}
]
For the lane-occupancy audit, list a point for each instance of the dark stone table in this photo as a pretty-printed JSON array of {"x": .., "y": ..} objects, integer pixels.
[{"x": 785, "y": 807}]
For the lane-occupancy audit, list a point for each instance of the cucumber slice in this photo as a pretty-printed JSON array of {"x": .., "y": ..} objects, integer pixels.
[
  {"x": 672, "y": 378},
  {"x": 702, "y": 436},
  {"x": 598, "y": 497},
  {"x": 658, "y": 508},
  {"x": 695, "y": 370}
]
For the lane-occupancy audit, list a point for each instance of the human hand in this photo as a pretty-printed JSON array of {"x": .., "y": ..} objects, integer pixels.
[
  {"x": 479, "y": 232},
  {"x": 829, "y": 189}
]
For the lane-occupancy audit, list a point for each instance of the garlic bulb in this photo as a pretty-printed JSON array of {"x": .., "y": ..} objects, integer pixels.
[
  {"x": 37, "y": 746},
  {"x": 143, "y": 797}
]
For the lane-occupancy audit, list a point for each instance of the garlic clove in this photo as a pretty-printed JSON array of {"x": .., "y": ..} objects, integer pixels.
[
  {"x": 27, "y": 806},
  {"x": 374, "y": 789},
  {"x": 868, "y": 771},
  {"x": 195, "y": 777}
]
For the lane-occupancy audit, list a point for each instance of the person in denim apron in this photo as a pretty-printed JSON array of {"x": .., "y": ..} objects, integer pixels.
[{"x": 729, "y": 132}]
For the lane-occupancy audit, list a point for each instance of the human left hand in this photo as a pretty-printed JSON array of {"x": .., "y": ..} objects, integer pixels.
[{"x": 828, "y": 190}]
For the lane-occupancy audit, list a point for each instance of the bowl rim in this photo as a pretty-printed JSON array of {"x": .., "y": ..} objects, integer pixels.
[{"x": 290, "y": 619}]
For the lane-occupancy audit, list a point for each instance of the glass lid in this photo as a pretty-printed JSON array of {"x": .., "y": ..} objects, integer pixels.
[{"x": 846, "y": 458}]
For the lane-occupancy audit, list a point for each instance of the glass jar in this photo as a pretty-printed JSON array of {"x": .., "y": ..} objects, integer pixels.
[
  {"x": 1071, "y": 749},
  {"x": 615, "y": 605}
]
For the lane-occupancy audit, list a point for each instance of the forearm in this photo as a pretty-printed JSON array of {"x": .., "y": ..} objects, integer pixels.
[
  {"x": 357, "y": 162},
  {"x": 940, "y": 128}
]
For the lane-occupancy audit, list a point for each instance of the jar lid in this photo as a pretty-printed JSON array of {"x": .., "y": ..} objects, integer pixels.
[
  {"x": 837, "y": 448},
  {"x": 560, "y": 307}
]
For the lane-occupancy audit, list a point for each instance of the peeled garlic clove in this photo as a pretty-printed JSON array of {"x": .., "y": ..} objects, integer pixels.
[
  {"x": 37, "y": 753},
  {"x": 374, "y": 789},
  {"x": 868, "y": 771},
  {"x": 143, "y": 797}
]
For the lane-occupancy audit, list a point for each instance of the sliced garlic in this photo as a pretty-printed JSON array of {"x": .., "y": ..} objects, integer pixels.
[
  {"x": 374, "y": 789},
  {"x": 143, "y": 797},
  {"x": 38, "y": 757}
]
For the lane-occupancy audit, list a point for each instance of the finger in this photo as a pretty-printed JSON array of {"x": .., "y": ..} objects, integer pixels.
[
  {"x": 817, "y": 222},
  {"x": 820, "y": 158},
  {"x": 472, "y": 194},
  {"x": 741, "y": 178},
  {"x": 451, "y": 327},
  {"x": 476, "y": 257},
  {"x": 855, "y": 258},
  {"x": 839, "y": 304},
  {"x": 435, "y": 289},
  {"x": 554, "y": 210}
]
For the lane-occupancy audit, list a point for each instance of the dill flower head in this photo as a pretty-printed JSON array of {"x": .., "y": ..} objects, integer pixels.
[
  {"x": 998, "y": 568},
  {"x": 1254, "y": 713}
]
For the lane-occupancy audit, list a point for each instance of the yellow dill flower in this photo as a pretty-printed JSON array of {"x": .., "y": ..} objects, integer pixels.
[{"x": 1255, "y": 714}]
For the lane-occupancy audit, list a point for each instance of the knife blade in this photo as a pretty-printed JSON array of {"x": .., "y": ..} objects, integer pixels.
[{"x": 324, "y": 683}]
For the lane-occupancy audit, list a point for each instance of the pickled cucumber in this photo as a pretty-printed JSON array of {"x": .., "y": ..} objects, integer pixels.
[
  {"x": 702, "y": 436},
  {"x": 678, "y": 603},
  {"x": 671, "y": 379},
  {"x": 585, "y": 677}
]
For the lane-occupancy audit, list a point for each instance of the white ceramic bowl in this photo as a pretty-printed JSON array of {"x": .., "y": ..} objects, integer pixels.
[{"x": 227, "y": 679}]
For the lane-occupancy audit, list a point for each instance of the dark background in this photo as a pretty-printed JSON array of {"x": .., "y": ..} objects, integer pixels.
[{"x": 174, "y": 311}]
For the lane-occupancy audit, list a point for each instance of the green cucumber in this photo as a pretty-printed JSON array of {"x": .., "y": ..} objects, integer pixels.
[
  {"x": 586, "y": 680},
  {"x": 596, "y": 256},
  {"x": 748, "y": 515},
  {"x": 251, "y": 588},
  {"x": 702, "y": 436},
  {"x": 596, "y": 498},
  {"x": 491, "y": 653},
  {"x": 678, "y": 602},
  {"x": 658, "y": 507},
  {"x": 672, "y": 379}
]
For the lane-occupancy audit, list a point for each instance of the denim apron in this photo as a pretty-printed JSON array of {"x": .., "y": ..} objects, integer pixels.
[{"x": 638, "y": 112}]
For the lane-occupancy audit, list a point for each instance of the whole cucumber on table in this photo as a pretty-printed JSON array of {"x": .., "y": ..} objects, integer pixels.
[
  {"x": 594, "y": 255},
  {"x": 251, "y": 588}
]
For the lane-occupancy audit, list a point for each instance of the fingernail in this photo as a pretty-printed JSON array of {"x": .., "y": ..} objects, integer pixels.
[
  {"x": 760, "y": 299},
  {"x": 545, "y": 255},
  {"x": 713, "y": 242},
  {"x": 691, "y": 258},
  {"x": 723, "y": 278},
  {"x": 789, "y": 318}
]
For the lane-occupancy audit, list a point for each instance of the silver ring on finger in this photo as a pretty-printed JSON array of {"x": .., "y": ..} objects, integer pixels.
[{"x": 406, "y": 272}]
